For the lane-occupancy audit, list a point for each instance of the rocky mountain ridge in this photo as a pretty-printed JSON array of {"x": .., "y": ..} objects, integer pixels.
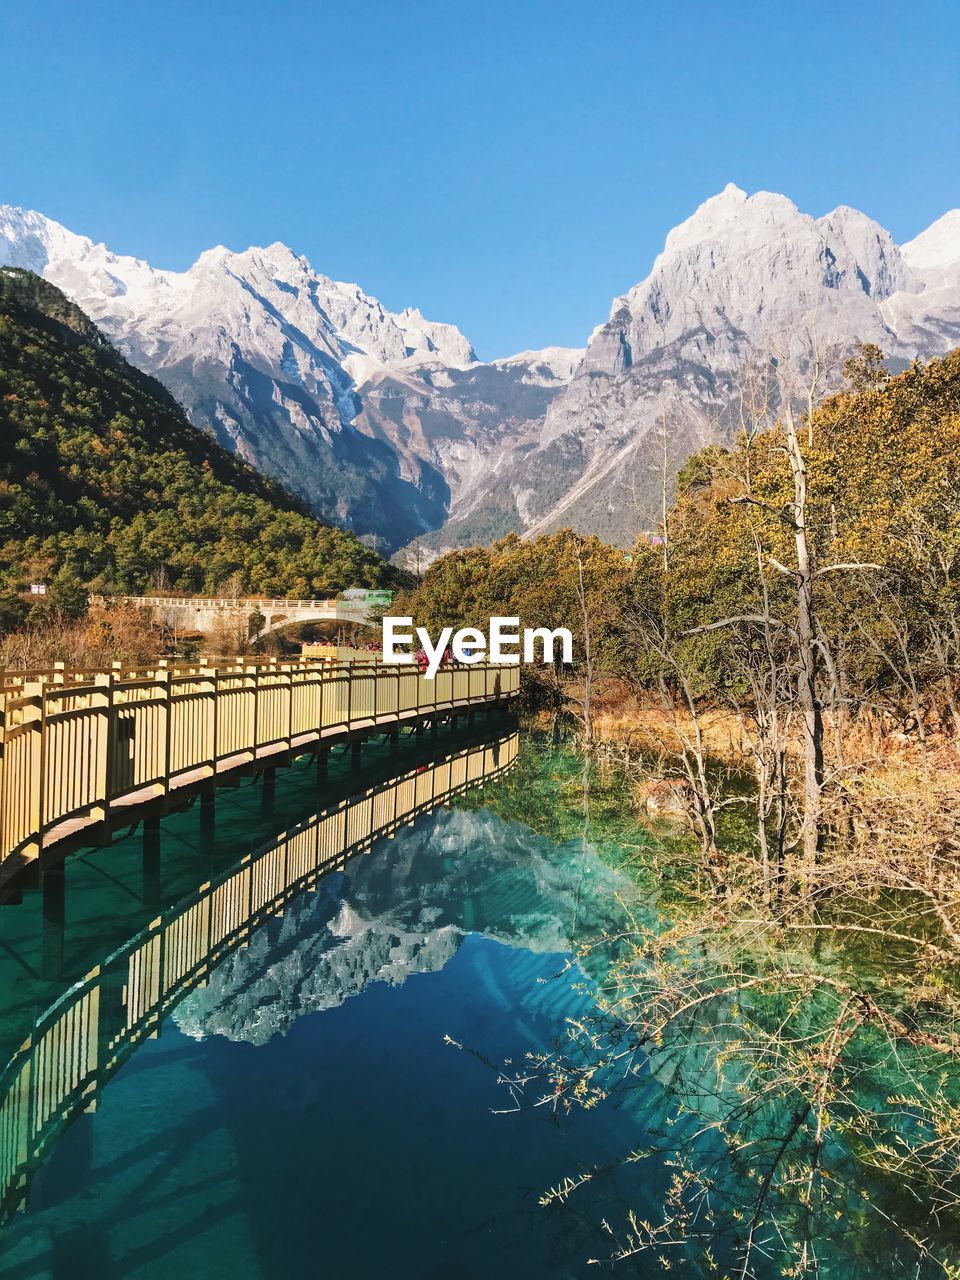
[
  {"x": 376, "y": 418},
  {"x": 745, "y": 278},
  {"x": 389, "y": 424}
]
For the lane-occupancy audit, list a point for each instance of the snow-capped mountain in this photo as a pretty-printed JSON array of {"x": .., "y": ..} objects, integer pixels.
[
  {"x": 388, "y": 423},
  {"x": 377, "y": 419},
  {"x": 743, "y": 278}
]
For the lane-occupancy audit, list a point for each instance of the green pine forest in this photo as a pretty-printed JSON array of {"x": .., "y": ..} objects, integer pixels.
[{"x": 105, "y": 485}]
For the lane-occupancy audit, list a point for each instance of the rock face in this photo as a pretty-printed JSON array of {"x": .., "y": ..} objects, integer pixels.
[
  {"x": 387, "y": 423},
  {"x": 743, "y": 278}
]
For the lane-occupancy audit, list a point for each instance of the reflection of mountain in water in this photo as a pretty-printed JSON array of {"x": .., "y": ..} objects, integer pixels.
[{"x": 403, "y": 911}]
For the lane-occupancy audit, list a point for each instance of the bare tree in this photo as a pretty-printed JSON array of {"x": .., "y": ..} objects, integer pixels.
[{"x": 587, "y": 650}]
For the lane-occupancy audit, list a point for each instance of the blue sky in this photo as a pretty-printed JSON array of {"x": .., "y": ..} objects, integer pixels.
[{"x": 509, "y": 167}]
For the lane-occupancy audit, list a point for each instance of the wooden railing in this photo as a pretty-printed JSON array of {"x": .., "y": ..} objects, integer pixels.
[
  {"x": 76, "y": 747},
  {"x": 82, "y": 1039}
]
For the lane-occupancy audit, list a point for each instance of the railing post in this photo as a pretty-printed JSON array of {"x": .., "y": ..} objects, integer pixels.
[
  {"x": 103, "y": 744},
  {"x": 256, "y": 706},
  {"x": 41, "y": 789},
  {"x": 289, "y": 674},
  {"x": 163, "y": 679},
  {"x": 34, "y": 715},
  {"x": 210, "y": 697}
]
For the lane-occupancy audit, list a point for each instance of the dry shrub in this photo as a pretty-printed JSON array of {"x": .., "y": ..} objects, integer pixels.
[
  {"x": 120, "y": 633},
  {"x": 230, "y": 636}
]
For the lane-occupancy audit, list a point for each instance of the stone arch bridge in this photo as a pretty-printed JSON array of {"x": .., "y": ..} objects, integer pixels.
[{"x": 189, "y": 614}]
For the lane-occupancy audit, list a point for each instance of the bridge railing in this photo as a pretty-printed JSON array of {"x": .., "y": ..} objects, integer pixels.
[
  {"x": 225, "y": 602},
  {"x": 75, "y": 747},
  {"x": 92, "y": 1029}
]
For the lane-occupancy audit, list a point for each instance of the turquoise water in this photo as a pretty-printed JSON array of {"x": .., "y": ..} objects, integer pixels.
[
  {"x": 305, "y": 1113},
  {"x": 320, "y": 1085}
]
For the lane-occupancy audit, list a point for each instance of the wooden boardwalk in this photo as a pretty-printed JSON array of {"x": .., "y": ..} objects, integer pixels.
[{"x": 85, "y": 752}]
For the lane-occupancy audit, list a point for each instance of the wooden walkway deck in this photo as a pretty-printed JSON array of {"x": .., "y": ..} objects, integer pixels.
[{"x": 84, "y": 753}]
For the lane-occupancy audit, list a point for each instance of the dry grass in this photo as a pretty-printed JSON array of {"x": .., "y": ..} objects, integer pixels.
[
  {"x": 641, "y": 722},
  {"x": 104, "y": 635},
  {"x": 883, "y": 785}
]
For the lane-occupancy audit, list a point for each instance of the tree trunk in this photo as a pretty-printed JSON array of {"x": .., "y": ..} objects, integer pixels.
[
  {"x": 587, "y": 655},
  {"x": 807, "y": 675}
]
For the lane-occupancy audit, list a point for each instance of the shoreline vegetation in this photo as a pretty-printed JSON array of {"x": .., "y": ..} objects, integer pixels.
[
  {"x": 777, "y": 669},
  {"x": 797, "y": 1066}
]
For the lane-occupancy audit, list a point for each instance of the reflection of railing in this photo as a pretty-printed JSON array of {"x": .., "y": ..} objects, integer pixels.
[
  {"x": 76, "y": 746},
  {"x": 94, "y": 1027}
]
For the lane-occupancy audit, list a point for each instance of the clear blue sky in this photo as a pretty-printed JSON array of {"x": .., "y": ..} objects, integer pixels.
[{"x": 508, "y": 166}]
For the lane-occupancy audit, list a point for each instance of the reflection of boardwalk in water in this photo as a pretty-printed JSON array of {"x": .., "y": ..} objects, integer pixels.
[{"x": 95, "y": 1026}]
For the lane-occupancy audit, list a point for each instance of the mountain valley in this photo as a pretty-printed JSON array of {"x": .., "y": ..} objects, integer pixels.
[{"x": 388, "y": 424}]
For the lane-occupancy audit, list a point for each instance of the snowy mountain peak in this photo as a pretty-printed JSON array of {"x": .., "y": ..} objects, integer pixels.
[
  {"x": 706, "y": 218},
  {"x": 879, "y": 262},
  {"x": 938, "y": 247},
  {"x": 432, "y": 340},
  {"x": 752, "y": 269},
  {"x": 559, "y": 362},
  {"x": 731, "y": 214},
  {"x": 32, "y": 236},
  {"x": 212, "y": 257},
  {"x": 334, "y": 318},
  {"x": 743, "y": 277}
]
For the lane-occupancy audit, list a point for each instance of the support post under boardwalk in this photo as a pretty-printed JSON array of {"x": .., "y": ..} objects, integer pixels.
[
  {"x": 54, "y": 912},
  {"x": 268, "y": 792},
  {"x": 150, "y": 890}
]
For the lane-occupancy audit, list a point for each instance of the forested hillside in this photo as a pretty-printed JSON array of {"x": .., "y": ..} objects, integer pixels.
[
  {"x": 104, "y": 484},
  {"x": 709, "y": 608}
]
